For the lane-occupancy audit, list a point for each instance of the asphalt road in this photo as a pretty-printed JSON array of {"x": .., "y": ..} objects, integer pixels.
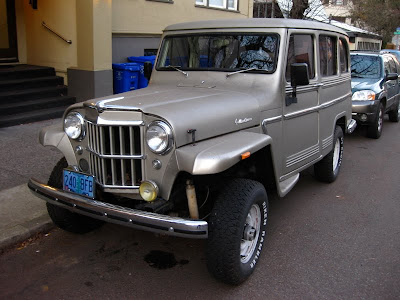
[{"x": 325, "y": 241}]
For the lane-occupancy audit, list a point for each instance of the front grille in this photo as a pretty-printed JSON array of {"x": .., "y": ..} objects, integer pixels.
[{"x": 115, "y": 155}]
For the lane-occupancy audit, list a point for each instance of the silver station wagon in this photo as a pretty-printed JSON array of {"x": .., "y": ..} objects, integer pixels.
[{"x": 234, "y": 109}]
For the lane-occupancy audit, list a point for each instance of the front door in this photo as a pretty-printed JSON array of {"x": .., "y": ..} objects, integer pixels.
[
  {"x": 301, "y": 119},
  {"x": 8, "y": 32}
]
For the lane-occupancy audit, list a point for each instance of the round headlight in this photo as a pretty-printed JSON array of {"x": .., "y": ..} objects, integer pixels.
[
  {"x": 159, "y": 137},
  {"x": 74, "y": 125}
]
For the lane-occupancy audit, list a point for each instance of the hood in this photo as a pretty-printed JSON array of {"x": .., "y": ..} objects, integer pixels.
[
  {"x": 210, "y": 111},
  {"x": 358, "y": 84}
]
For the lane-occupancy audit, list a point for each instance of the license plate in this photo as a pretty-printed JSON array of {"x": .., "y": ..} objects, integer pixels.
[{"x": 79, "y": 183}]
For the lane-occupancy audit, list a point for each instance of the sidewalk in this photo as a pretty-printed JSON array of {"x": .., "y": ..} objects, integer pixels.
[{"x": 21, "y": 216}]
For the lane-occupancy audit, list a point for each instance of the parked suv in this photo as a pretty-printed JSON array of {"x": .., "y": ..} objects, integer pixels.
[
  {"x": 375, "y": 87},
  {"x": 234, "y": 108}
]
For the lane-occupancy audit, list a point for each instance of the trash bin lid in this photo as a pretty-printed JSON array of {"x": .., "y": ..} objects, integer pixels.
[
  {"x": 142, "y": 59},
  {"x": 126, "y": 67}
]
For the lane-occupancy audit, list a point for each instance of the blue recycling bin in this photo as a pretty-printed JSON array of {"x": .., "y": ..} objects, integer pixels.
[
  {"x": 140, "y": 60},
  {"x": 126, "y": 77}
]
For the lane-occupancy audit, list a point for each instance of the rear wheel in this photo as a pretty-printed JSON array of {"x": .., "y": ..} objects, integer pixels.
[
  {"x": 237, "y": 229},
  {"x": 327, "y": 169},
  {"x": 62, "y": 217},
  {"x": 375, "y": 130},
  {"x": 394, "y": 115}
]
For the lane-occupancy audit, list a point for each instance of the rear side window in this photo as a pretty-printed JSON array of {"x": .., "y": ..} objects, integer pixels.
[
  {"x": 328, "y": 56},
  {"x": 301, "y": 50},
  {"x": 392, "y": 65},
  {"x": 344, "y": 54}
]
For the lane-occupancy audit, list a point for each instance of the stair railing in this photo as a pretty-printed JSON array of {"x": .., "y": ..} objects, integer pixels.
[{"x": 57, "y": 34}]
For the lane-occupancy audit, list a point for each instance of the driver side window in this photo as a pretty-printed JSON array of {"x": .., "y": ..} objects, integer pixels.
[{"x": 301, "y": 50}]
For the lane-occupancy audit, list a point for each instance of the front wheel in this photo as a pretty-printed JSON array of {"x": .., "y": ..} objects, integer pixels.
[
  {"x": 237, "y": 229},
  {"x": 375, "y": 130},
  {"x": 327, "y": 169}
]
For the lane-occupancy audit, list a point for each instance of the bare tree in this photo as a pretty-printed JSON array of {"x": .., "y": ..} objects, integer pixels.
[
  {"x": 381, "y": 16},
  {"x": 294, "y": 9},
  {"x": 298, "y": 9}
]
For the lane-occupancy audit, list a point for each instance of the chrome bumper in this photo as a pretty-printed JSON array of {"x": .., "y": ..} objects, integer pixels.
[
  {"x": 133, "y": 218},
  {"x": 351, "y": 126}
]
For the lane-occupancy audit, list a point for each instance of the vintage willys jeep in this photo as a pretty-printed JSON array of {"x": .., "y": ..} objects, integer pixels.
[{"x": 233, "y": 109}]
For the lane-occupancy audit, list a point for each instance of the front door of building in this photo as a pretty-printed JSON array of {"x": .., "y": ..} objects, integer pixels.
[{"x": 8, "y": 32}]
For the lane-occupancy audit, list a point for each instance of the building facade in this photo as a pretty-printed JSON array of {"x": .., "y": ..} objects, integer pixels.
[{"x": 82, "y": 38}]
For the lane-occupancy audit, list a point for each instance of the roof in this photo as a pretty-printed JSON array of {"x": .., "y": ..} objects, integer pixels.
[{"x": 254, "y": 23}]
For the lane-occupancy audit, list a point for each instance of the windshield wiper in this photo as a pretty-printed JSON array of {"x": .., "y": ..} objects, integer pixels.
[
  {"x": 177, "y": 69},
  {"x": 241, "y": 71}
]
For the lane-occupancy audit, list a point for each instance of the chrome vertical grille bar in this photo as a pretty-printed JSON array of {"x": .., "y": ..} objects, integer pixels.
[
  {"x": 102, "y": 150},
  {"x": 132, "y": 152},
  {"x": 112, "y": 151},
  {"x": 122, "y": 152}
]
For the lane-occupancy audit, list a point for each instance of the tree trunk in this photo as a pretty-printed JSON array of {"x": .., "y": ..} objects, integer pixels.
[{"x": 298, "y": 9}]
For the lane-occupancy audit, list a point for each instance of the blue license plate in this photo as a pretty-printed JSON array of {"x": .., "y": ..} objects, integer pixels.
[{"x": 79, "y": 183}]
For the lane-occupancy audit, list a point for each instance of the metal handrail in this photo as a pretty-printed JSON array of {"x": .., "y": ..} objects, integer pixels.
[{"x": 57, "y": 34}]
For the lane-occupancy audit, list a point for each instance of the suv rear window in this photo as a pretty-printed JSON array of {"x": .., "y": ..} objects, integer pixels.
[{"x": 220, "y": 52}]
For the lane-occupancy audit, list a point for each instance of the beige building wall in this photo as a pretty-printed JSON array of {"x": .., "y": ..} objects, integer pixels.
[
  {"x": 143, "y": 17},
  {"x": 37, "y": 45},
  {"x": 3, "y": 25}
]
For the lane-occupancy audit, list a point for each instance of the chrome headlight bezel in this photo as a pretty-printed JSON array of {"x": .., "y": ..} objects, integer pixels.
[
  {"x": 363, "y": 95},
  {"x": 165, "y": 137},
  {"x": 74, "y": 126}
]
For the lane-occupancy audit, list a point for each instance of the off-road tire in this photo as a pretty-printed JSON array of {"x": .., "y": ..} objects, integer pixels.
[
  {"x": 394, "y": 115},
  {"x": 375, "y": 130},
  {"x": 327, "y": 169},
  {"x": 231, "y": 254},
  {"x": 62, "y": 217}
]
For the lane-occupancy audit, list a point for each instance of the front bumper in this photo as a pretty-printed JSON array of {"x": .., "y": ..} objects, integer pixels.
[
  {"x": 364, "y": 112},
  {"x": 133, "y": 218}
]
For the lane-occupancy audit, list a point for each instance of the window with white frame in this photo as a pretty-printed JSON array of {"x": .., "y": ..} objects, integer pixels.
[{"x": 223, "y": 4}]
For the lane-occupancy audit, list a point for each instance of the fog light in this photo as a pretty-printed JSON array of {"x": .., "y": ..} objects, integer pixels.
[
  {"x": 363, "y": 117},
  {"x": 148, "y": 191}
]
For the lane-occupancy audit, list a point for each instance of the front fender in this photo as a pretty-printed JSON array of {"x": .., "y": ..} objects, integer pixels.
[
  {"x": 219, "y": 154},
  {"x": 54, "y": 136}
]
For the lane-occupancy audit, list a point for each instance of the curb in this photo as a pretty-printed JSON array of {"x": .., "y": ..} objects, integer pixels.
[{"x": 22, "y": 215}]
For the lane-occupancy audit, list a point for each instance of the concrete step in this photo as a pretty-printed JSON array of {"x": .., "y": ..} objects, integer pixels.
[
  {"x": 31, "y": 105},
  {"x": 29, "y": 83},
  {"x": 11, "y": 72},
  {"x": 33, "y": 116},
  {"x": 31, "y": 94}
]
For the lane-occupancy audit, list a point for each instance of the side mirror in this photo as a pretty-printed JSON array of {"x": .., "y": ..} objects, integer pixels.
[
  {"x": 298, "y": 76},
  {"x": 147, "y": 69},
  {"x": 392, "y": 76}
]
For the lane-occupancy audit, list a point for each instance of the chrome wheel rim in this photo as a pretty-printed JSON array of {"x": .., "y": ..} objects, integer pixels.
[
  {"x": 336, "y": 154},
  {"x": 251, "y": 232},
  {"x": 398, "y": 111}
]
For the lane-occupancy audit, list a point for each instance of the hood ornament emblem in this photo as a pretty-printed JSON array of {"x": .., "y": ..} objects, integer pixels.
[{"x": 242, "y": 121}]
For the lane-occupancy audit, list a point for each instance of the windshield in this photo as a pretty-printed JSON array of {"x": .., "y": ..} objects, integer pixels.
[
  {"x": 364, "y": 66},
  {"x": 216, "y": 52}
]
